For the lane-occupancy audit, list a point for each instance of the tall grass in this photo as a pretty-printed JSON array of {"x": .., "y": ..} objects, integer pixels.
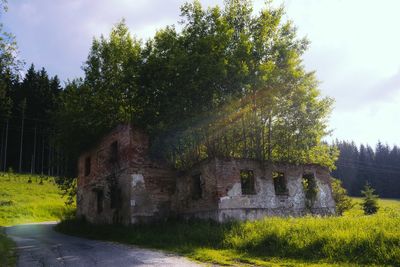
[
  {"x": 351, "y": 239},
  {"x": 363, "y": 240}
]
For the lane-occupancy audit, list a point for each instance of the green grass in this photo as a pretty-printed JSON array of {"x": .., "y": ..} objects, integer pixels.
[
  {"x": 23, "y": 202},
  {"x": 350, "y": 240}
]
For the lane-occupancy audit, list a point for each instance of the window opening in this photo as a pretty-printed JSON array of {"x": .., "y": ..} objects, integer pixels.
[
  {"x": 279, "y": 183},
  {"x": 197, "y": 187},
  {"x": 100, "y": 200},
  {"x": 87, "y": 166},
  {"x": 114, "y": 152},
  {"x": 310, "y": 189},
  {"x": 247, "y": 182}
]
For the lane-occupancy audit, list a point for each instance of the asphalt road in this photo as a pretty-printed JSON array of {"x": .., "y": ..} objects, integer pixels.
[{"x": 40, "y": 245}]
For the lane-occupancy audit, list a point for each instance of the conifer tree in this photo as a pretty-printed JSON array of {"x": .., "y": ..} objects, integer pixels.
[{"x": 370, "y": 201}]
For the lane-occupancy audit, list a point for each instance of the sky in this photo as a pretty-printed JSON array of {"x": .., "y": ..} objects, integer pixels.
[{"x": 354, "y": 49}]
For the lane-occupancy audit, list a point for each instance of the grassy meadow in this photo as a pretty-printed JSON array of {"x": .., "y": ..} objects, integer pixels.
[
  {"x": 22, "y": 201},
  {"x": 351, "y": 240}
]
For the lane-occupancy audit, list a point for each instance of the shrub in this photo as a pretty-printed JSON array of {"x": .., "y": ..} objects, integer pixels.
[{"x": 342, "y": 200}]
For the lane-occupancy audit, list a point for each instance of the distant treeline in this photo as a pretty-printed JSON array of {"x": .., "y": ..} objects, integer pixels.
[
  {"x": 379, "y": 166},
  {"x": 27, "y": 139}
]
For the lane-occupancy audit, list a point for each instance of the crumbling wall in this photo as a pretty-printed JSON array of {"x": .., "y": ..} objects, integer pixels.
[
  {"x": 232, "y": 204},
  {"x": 151, "y": 187},
  {"x": 102, "y": 189},
  {"x": 135, "y": 189},
  {"x": 187, "y": 200},
  {"x": 152, "y": 183},
  {"x": 119, "y": 183}
]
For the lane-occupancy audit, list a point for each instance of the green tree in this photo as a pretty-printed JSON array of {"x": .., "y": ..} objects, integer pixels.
[
  {"x": 342, "y": 200},
  {"x": 370, "y": 201},
  {"x": 111, "y": 74},
  {"x": 76, "y": 126},
  {"x": 9, "y": 66},
  {"x": 257, "y": 97},
  {"x": 109, "y": 94},
  {"x": 230, "y": 83}
]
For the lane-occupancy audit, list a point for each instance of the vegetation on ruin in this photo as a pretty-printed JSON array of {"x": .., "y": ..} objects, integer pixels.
[
  {"x": 230, "y": 83},
  {"x": 350, "y": 240}
]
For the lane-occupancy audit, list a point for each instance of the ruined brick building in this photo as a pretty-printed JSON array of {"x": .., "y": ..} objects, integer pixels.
[{"x": 119, "y": 183}]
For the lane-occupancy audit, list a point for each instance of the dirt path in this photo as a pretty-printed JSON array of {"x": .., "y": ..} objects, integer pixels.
[{"x": 40, "y": 245}]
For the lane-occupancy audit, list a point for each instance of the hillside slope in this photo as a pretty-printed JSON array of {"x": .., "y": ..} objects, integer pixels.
[
  {"x": 22, "y": 201},
  {"x": 27, "y": 199}
]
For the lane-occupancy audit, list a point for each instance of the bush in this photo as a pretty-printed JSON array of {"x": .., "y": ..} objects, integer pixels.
[
  {"x": 342, "y": 200},
  {"x": 370, "y": 201},
  {"x": 7, "y": 253},
  {"x": 69, "y": 188}
]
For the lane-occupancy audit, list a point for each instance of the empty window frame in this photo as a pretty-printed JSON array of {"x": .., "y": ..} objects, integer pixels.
[
  {"x": 309, "y": 179},
  {"x": 100, "y": 201},
  {"x": 247, "y": 182},
  {"x": 115, "y": 198},
  {"x": 114, "y": 152},
  {"x": 279, "y": 183},
  {"x": 87, "y": 166},
  {"x": 310, "y": 186},
  {"x": 197, "y": 186}
]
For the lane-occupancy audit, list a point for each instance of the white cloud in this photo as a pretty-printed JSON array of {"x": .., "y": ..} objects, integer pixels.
[{"x": 369, "y": 124}]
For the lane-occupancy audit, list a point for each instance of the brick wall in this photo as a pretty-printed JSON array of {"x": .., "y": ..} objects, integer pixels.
[
  {"x": 144, "y": 187},
  {"x": 135, "y": 188},
  {"x": 229, "y": 202}
]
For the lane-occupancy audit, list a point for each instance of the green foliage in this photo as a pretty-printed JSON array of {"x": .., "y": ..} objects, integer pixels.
[
  {"x": 68, "y": 187},
  {"x": 348, "y": 240},
  {"x": 24, "y": 203},
  {"x": 370, "y": 201},
  {"x": 342, "y": 200},
  {"x": 7, "y": 255},
  {"x": 310, "y": 189},
  {"x": 260, "y": 102},
  {"x": 34, "y": 98},
  {"x": 230, "y": 84},
  {"x": 9, "y": 66},
  {"x": 108, "y": 95}
]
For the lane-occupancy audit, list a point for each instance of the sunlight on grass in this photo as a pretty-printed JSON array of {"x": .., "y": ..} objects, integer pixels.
[
  {"x": 23, "y": 202},
  {"x": 351, "y": 240}
]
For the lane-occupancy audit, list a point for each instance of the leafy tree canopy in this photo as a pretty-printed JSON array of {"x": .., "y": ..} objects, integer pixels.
[{"x": 230, "y": 84}]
